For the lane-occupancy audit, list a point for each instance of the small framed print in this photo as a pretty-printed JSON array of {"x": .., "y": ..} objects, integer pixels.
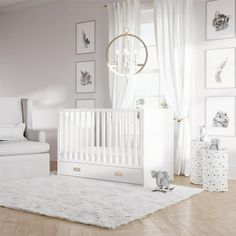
[
  {"x": 85, "y": 77},
  {"x": 85, "y": 37},
  {"x": 220, "y": 17},
  {"x": 85, "y": 103},
  {"x": 220, "y": 116},
  {"x": 220, "y": 68}
]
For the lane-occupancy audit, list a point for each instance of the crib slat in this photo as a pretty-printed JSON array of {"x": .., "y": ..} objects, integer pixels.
[
  {"x": 140, "y": 159},
  {"x": 116, "y": 159},
  {"x": 80, "y": 136},
  {"x": 86, "y": 122},
  {"x": 66, "y": 135},
  {"x": 119, "y": 121},
  {"x": 92, "y": 135},
  {"x": 109, "y": 137},
  {"x": 77, "y": 123},
  {"x": 97, "y": 135},
  {"x": 103, "y": 133},
  {"x": 135, "y": 138},
  {"x": 128, "y": 158},
  {"x": 61, "y": 151},
  {"x": 69, "y": 142},
  {"x": 72, "y": 135},
  {"x": 122, "y": 138},
  {"x": 75, "y": 136}
]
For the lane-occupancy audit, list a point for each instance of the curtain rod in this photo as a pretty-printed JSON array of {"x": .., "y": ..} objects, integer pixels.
[{"x": 142, "y": 2}]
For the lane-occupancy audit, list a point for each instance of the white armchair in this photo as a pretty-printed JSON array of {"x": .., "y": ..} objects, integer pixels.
[{"x": 26, "y": 157}]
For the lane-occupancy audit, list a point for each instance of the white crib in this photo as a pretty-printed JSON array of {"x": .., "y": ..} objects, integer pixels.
[{"x": 118, "y": 145}]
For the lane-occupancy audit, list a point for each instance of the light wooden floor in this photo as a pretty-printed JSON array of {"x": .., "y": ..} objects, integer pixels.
[{"x": 205, "y": 214}]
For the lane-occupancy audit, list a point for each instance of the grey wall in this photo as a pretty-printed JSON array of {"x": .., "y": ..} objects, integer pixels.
[
  {"x": 201, "y": 92},
  {"x": 37, "y": 57}
]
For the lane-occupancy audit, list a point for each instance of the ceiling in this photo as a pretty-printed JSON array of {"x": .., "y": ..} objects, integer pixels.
[{"x": 4, "y": 3}]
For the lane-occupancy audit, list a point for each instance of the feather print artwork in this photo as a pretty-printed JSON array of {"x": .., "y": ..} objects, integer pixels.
[{"x": 220, "y": 69}]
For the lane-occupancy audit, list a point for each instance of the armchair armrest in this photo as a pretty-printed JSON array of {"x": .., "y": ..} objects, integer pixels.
[{"x": 36, "y": 135}]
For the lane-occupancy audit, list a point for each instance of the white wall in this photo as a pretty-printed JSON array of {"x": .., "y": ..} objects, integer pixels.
[
  {"x": 201, "y": 92},
  {"x": 37, "y": 57}
]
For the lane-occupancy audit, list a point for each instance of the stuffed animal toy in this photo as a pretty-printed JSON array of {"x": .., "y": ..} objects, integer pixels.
[
  {"x": 215, "y": 144},
  {"x": 202, "y": 133},
  {"x": 162, "y": 181}
]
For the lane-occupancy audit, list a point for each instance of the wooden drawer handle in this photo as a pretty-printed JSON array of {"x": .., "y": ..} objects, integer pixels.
[
  {"x": 77, "y": 169},
  {"x": 119, "y": 173}
]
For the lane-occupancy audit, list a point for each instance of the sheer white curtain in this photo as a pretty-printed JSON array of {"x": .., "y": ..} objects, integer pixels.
[
  {"x": 173, "y": 25},
  {"x": 122, "y": 16}
]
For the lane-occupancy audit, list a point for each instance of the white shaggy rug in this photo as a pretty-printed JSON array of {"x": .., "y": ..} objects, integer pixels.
[{"x": 95, "y": 202}]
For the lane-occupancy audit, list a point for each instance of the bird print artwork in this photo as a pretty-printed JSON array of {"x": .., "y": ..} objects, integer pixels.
[{"x": 85, "y": 40}]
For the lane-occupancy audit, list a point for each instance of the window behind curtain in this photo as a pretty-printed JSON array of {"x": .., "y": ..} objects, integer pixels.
[{"x": 149, "y": 91}]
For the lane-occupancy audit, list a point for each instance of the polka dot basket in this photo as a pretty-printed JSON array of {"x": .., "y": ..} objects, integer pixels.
[
  {"x": 215, "y": 170},
  {"x": 197, "y": 148}
]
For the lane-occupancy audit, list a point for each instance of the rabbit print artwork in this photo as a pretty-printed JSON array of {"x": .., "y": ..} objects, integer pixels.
[
  {"x": 85, "y": 78},
  {"x": 221, "y": 119}
]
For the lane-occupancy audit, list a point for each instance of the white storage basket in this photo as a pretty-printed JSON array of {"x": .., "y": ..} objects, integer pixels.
[
  {"x": 197, "y": 148},
  {"x": 215, "y": 170}
]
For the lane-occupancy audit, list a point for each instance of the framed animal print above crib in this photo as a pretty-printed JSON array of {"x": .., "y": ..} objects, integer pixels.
[
  {"x": 85, "y": 37},
  {"x": 85, "y": 76}
]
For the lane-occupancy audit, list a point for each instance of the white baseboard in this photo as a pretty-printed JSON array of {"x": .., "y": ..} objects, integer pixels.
[{"x": 232, "y": 172}]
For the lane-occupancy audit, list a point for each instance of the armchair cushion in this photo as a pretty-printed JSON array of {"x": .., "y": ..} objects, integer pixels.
[
  {"x": 12, "y": 132},
  {"x": 21, "y": 147},
  {"x": 11, "y": 111}
]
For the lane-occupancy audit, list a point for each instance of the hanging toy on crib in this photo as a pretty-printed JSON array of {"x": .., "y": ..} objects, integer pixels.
[{"x": 162, "y": 181}]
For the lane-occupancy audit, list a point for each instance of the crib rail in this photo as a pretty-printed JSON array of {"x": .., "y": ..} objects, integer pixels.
[{"x": 101, "y": 136}]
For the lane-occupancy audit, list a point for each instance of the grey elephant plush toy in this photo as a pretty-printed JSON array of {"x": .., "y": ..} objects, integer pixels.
[{"x": 162, "y": 181}]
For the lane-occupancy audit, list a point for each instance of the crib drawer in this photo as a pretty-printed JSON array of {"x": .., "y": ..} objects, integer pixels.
[{"x": 126, "y": 175}]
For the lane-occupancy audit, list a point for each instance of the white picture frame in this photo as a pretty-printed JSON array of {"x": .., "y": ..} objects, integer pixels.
[
  {"x": 85, "y": 77},
  {"x": 85, "y": 37},
  {"x": 220, "y": 19},
  {"x": 220, "y": 68},
  {"x": 85, "y": 103},
  {"x": 220, "y": 116}
]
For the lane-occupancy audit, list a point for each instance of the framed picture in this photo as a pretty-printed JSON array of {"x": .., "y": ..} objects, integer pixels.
[
  {"x": 220, "y": 17},
  {"x": 85, "y": 37},
  {"x": 85, "y": 103},
  {"x": 220, "y": 116},
  {"x": 85, "y": 77},
  {"x": 220, "y": 68}
]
